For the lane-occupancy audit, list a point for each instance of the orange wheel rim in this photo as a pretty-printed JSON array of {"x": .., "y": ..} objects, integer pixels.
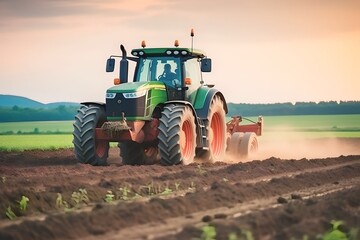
[
  {"x": 100, "y": 147},
  {"x": 217, "y": 134},
  {"x": 186, "y": 139}
]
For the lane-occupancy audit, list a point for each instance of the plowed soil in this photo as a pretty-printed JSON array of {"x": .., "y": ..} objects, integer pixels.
[{"x": 270, "y": 198}]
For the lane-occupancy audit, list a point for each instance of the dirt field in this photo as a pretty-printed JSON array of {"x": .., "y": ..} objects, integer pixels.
[{"x": 271, "y": 199}]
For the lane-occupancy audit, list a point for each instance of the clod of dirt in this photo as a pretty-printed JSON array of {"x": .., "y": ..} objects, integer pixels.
[
  {"x": 105, "y": 184},
  {"x": 296, "y": 196},
  {"x": 282, "y": 200},
  {"x": 220, "y": 216},
  {"x": 206, "y": 218}
]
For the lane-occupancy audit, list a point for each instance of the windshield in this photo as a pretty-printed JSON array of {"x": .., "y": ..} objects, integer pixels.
[{"x": 166, "y": 69}]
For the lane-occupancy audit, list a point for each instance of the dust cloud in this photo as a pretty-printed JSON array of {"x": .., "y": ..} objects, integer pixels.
[{"x": 297, "y": 145}]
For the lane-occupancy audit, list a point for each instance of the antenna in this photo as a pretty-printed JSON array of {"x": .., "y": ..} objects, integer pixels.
[{"x": 192, "y": 39}]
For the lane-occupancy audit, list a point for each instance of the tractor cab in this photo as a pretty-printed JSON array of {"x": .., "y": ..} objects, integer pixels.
[{"x": 178, "y": 69}]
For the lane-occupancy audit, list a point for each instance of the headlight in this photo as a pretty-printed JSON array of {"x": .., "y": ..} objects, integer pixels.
[
  {"x": 110, "y": 95},
  {"x": 134, "y": 94}
]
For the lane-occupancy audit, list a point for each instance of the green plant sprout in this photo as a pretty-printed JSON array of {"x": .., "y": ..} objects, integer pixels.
[
  {"x": 201, "y": 171},
  {"x": 192, "y": 186},
  {"x": 109, "y": 197},
  {"x": 60, "y": 203},
  {"x": 23, "y": 203},
  {"x": 177, "y": 185},
  {"x": 335, "y": 233},
  {"x": 80, "y": 196},
  {"x": 232, "y": 236},
  {"x": 124, "y": 193},
  {"x": 208, "y": 233},
  {"x": 166, "y": 191},
  {"x": 10, "y": 214},
  {"x": 151, "y": 189}
]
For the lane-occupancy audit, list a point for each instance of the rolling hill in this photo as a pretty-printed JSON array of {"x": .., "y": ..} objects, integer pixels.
[{"x": 9, "y": 101}]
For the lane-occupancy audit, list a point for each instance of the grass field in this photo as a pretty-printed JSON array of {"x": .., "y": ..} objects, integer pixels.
[
  {"x": 21, "y": 135},
  {"x": 35, "y": 141},
  {"x": 42, "y": 127}
]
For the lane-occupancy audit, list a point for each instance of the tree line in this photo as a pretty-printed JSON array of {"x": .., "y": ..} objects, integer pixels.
[
  {"x": 18, "y": 114},
  {"x": 63, "y": 112}
]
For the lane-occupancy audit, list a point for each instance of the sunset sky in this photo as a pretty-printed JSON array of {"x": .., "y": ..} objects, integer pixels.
[{"x": 263, "y": 51}]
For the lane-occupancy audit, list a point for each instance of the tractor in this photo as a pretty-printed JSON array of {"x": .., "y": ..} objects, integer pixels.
[{"x": 166, "y": 114}]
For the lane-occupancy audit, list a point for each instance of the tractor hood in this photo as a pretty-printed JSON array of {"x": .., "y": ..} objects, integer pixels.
[
  {"x": 136, "y": 87},
  {"x": 134, "y": 100}
]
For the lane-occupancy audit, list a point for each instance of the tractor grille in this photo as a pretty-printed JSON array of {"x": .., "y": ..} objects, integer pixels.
[{"x": 132, "y": 107}]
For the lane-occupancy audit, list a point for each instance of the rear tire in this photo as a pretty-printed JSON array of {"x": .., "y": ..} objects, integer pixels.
[
  {"x": 177, "y": 135},
  {"x": 217, "y": 130},
  {"x": 87, "y": 148}
]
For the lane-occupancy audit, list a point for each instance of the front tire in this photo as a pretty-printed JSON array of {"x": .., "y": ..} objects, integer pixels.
[
  {"x": 177, "y": 135},
  {"x": 87, "y": 148}
]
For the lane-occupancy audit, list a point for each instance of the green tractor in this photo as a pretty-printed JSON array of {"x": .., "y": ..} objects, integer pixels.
[{"x": 167, "y": 114}]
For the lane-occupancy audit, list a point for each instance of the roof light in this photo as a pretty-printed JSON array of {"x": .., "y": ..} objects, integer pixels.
[
  {"x": 116, "y": 81},
  {"x": 141, "y": 53},
  {"x": 188, "y": 81},
  {"x": 168, "y": 52},
  {"x": 184, "y": 52},
  {"x": 135, "y": 53},
  {"x": 176, "y": 44},
  {"x": 143, "y": 44},
  {"x": 176, "y": 52}
]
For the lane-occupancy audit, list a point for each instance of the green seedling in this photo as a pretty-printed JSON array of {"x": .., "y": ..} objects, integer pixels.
[
  {"x": 335, "y": 233},
  {"x": 166, "y": 191},
  {"x": 10, "y": 214},
  {"x": 124, "y": 193},
  {"x": 80, "y": 197},
  {"x": 150, "y": 189},
  {"x": 232, "y": 236},
  {"x": 201, "y": 171},
  {"x": 61, "y": 203},
  {"x": 177, "y": 185},
  {"x": 192, "y": 186},
  {"x": 23, "y": 203},
  {"x": 208, "y": 233},
  {"x": 109, "y": 197}
]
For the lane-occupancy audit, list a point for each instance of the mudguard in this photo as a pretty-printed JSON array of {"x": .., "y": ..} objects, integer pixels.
[
  {"x": 203, "y": 100},
  {"x": 101, "y": 104}
]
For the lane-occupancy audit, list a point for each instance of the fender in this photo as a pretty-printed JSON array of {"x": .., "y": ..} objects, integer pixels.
[
  {"x": 100, "y": 104},
  {"x": 203, "y": 100},
  {"x": 183, "y": 103}
]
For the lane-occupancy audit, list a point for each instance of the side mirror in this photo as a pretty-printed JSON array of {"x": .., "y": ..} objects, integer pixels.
[
  {"x": 206, "y": 65},
  {"x": 110, "y": 65}
]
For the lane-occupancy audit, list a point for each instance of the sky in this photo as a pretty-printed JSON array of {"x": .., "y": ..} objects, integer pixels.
[{"x": 262, "y": 51}]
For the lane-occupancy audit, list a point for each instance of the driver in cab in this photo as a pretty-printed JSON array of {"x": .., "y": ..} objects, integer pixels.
[{"x": 168, "y": 77}]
